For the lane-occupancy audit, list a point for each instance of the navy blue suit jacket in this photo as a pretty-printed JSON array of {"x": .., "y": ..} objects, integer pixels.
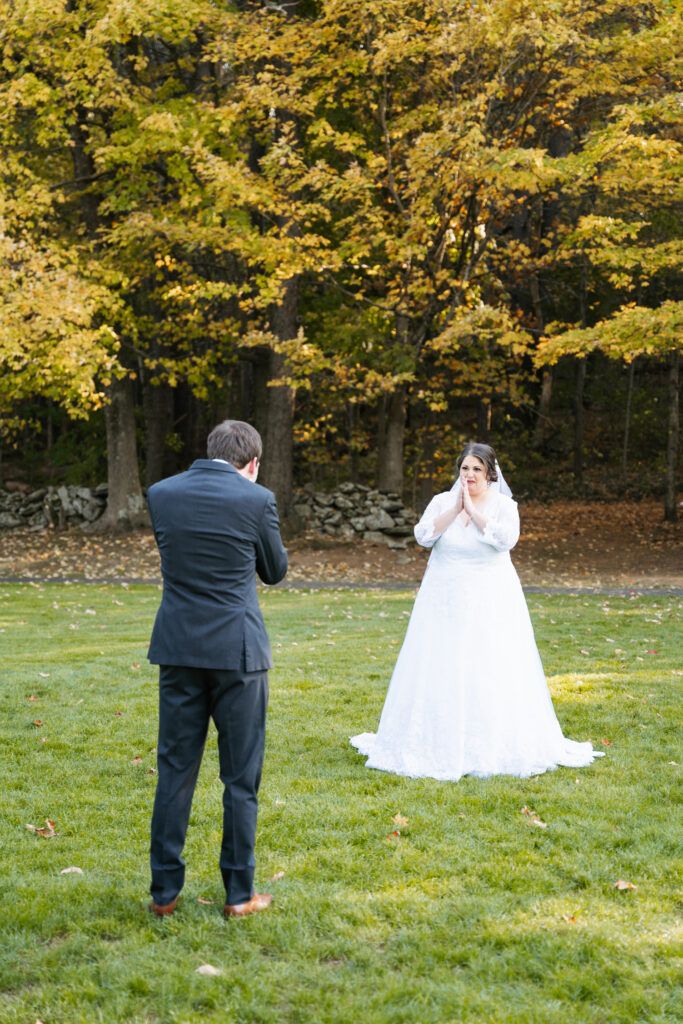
[{"x": 215, "y": 530}]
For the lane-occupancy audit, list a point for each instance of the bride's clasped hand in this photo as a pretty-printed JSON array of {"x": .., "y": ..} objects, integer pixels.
[{"x": 468, "y": 695}]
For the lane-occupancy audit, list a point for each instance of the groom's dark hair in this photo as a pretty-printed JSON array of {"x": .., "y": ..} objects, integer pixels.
[
  {"x": 235, "y": 441},
  {"x": 485, "y": 454}
]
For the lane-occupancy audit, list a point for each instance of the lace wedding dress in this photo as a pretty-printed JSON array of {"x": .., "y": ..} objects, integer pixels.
[{"x": 468, "y": 694}]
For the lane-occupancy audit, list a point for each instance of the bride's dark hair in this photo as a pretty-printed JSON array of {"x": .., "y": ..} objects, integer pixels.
[{"x": 485, "y": 454}]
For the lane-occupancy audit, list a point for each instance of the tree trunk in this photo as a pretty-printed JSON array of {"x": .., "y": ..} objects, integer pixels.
[
  {"x": 277, "y": 470},
  {"x": 543, "y": 413},
  {"x": 392, "y": 423},
  {"x": 673, "y": 439},
  {"x": 354, "y": 453},
  {"x": 627, "y": 420},
  {"x": 580, "y": 382},
  {"x": 423, "y": 479},
  {"x": 260, "y": 392},
  {"x": 278, "y": 436},
  {"x": 278, "y": 445},
  {"x": 158, "y": 409},
  {"x": 49, "y": 427},
  {"x": 198, "y": 428},
  {"x": 126, "y": 508},
  {"x": 84, "y": 169},
  {"x": 483, "y": 420},
  {"x": 391, "y": 448},
  {"x": 247, "y": 388}
]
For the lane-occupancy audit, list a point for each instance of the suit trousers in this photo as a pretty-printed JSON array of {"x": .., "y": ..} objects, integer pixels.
[{"x": 237, "y": 702}]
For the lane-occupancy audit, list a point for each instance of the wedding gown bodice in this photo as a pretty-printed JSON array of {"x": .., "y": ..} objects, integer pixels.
[{"x": 463, "y": 549}]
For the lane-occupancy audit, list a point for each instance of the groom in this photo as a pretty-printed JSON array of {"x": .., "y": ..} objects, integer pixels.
[{"x": 215, "y": 528}]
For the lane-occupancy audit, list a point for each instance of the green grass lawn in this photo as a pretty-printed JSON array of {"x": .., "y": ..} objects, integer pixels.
[{"x": 472, "y": 913}]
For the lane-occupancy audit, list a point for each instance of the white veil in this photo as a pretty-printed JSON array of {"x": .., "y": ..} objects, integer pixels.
[{"x": 500, "y": 484}]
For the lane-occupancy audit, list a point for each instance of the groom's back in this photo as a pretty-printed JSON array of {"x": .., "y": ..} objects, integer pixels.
[{"x": 206, "y": 524}]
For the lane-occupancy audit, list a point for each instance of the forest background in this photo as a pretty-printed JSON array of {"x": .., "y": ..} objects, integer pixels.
[{"x": 375, "y": 230}]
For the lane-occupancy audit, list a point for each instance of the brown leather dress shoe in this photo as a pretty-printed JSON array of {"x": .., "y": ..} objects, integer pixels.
[
  {"x": 161, "y": 911},
  {"x": 259, "y": 901}
]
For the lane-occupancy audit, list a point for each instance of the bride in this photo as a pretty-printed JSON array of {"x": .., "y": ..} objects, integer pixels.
[{"x": 468, "y": 695}]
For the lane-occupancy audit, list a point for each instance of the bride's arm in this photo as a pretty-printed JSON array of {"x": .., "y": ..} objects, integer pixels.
[
  {"x": 444, "y": 519},
  {"x": 437, "y": 517},
  {"x": 501, "y": 527}
]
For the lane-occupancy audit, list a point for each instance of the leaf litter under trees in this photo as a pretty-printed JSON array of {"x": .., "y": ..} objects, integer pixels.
[{"x": 618, "y": 544}]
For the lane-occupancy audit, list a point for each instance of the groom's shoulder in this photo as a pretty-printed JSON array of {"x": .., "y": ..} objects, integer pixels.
[
  {"x": 168, "y": 483},
  {"x": 261, "y": 493}
]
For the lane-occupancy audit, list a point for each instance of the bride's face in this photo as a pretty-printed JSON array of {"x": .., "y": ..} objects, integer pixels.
[{"x": 473, "y": 476}]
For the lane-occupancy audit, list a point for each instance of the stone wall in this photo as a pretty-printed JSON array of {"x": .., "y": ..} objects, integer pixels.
[
  {"x": 354, "y": 511},
  {"x": 351, "y": 512},
  {"x": 51, "y": 506}
]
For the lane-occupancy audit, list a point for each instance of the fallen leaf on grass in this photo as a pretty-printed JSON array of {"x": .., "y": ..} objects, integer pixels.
[
  {"x": 207, "y": 903},
  {"x": 48, "y": 832},
  {"x": 534, "y": 818},
  {"x": 38, "y": 721},
  {"x": 622, "y": 885},
  {"x": 568, "y": 919},
  {"x": 394, "y": 835},
  {"x": 71, "y": 871},
  {"x": 208, "y": 971},
  {"x": 277, "y": 876},
  {"x": 398, "y": 819},
  {"x": 606, "y": 743}
]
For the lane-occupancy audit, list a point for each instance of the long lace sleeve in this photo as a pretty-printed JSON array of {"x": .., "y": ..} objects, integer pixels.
[
  {"x": 424, "y": 530},
  {"x": 502, "y": 525}
]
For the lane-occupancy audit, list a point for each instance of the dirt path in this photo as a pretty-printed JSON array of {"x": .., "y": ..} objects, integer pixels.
[{"x": 565, "y": 544}]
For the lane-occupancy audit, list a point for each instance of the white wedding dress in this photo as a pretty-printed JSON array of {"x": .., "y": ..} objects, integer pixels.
[{"x": 468, "y": 694}]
